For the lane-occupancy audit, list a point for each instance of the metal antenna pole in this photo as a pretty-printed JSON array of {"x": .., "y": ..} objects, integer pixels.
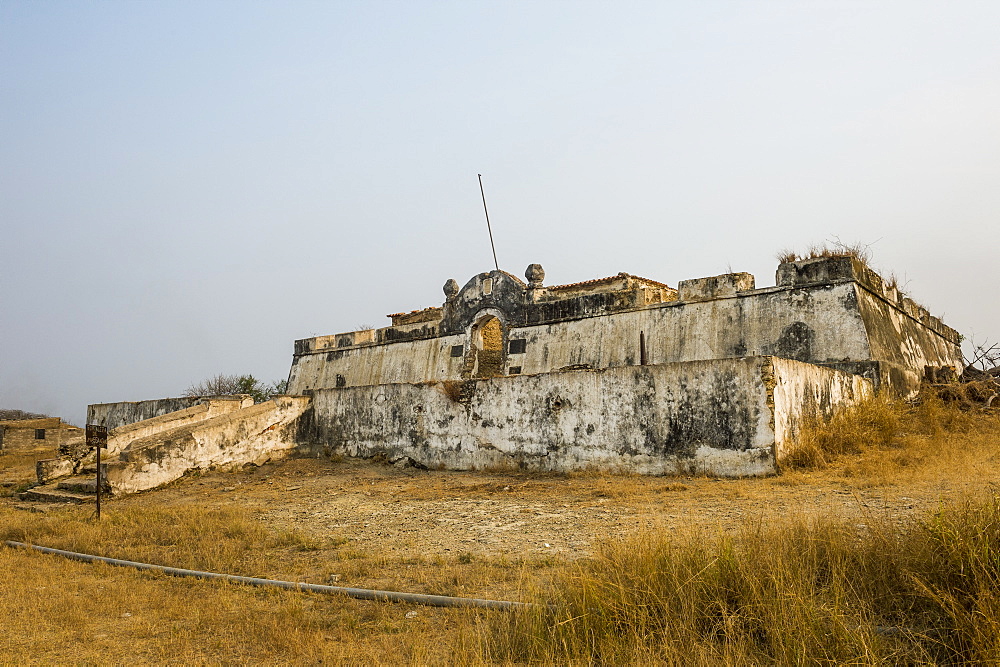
[{"x": 490, "y": 229}]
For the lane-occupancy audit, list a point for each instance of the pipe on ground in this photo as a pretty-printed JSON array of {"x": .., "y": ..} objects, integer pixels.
[{"x": 358, "y": 593}]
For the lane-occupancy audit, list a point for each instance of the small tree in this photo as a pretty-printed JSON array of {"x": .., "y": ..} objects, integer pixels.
[
  {"x": 21, "y": 414},
  {"x": 231, "y": 385}
]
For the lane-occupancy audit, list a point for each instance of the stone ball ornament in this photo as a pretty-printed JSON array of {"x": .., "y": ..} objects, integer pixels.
[
  {"x": 450, "y": 289},
  {"x": 535, "y": 275}
]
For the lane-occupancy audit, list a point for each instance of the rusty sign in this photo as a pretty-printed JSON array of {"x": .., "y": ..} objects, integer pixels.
[{"x": 97, "y": 436}]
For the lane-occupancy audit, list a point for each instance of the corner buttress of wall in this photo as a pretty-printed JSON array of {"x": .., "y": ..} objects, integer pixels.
[{"x": 767, "y": 378}]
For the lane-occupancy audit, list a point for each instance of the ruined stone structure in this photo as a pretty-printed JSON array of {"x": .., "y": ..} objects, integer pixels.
[
  {"x": 834, "y": 312},
  {"x": 622, "y": 371},
  {"x": 25, "y": 434},
  {"x": 114, "y": 416},
  {"x": 151, "y": 443},
  {"x": 618, "y": 373}
]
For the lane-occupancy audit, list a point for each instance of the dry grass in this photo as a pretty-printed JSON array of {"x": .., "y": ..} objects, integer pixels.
[
  {"x": 787, "y": 255},
  {"x": 821, "y": 591},
  {"x": 73, "y": 612},
  {"x": 61, "y": 612},
  {"x": 791, "y": 594},
  {"x": 871, "y": 423},
  {"x": 882, "y": 441},
  {"x": 833, "y": 248}
]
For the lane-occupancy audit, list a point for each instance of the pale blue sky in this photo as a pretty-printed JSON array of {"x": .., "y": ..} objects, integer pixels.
[{"x": 187, "y": 187}]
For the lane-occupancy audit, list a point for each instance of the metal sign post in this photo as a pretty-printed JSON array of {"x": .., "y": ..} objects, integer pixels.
[{"x": 97, "y": 437}]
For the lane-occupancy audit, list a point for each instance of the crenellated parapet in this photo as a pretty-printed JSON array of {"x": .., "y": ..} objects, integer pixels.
[
  {"x": 832, "y": 311},
  {"x": 522, "y": 303},
  {"x": 839, "y": 269}
]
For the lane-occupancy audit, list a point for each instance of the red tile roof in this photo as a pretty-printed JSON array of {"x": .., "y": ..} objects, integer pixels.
[{"x": 598, "y": 281}]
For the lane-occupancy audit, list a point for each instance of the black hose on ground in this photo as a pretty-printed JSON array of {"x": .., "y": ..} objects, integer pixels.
[{"x": 359, "y": 593}]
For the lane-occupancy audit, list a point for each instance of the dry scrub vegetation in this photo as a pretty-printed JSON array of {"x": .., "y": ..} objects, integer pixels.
[
  {"x": 834, "y": 248},
  {"x": 918, "y": 589},
  {"x": 886, "y": 441},
  {"x": 821, "y": 591}
]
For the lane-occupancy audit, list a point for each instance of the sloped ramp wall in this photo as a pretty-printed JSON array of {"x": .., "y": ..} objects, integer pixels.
[
  {"x": 119, "y": 438},
  {"x": 73, "y": 458},
  {"x": 116, "y": 415},
  {"x": 717, "y": 417},
  {"x": 250, "y": 435}
]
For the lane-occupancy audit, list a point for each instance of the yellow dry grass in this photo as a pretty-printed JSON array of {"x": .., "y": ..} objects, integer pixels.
[
  {"x": 17, "y": 468},
  {"x": 64, "y": 611},
  {"x": 833, "y": 248},
  {"x": 888, "y": 442},
  {"x": 820, "y": 591}
]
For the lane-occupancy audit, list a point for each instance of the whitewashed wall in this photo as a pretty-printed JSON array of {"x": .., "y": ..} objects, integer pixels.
[{"x": 716, "y": 416}]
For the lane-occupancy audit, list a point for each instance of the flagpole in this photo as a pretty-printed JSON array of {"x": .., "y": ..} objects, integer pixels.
[{"x": 488, "y": 227}]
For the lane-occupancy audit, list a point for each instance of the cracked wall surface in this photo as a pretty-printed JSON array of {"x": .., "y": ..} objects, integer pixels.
[{"x": 725, "y": 417}]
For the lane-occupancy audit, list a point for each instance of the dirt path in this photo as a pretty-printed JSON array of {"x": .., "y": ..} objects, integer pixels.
[{"x": 418, "y": 512}]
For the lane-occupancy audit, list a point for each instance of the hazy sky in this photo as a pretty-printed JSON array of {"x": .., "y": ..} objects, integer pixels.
[{"x": 188, "y": 187}]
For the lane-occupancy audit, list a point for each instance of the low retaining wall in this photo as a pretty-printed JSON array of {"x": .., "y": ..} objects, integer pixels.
[
  {"x": 77, "y": 454},
  {"x": 725, "y": 417},
  {"x": 116, "y": 415},
  {"x": 252, "y": 434}
]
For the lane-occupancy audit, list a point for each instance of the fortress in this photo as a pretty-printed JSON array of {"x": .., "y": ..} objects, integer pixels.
[
  {"x": 830, "y": 311},
  {"x": 619, "y": 373}
]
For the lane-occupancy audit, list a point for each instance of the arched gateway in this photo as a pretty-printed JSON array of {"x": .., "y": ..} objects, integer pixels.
[{"x": 485, "y": 358}]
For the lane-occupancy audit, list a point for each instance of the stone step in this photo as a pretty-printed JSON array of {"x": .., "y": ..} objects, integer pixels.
[
  {"x": 78, "y": 484},
  {"x": 50, "y": 493},
  {"x": 91, "y": 468}
]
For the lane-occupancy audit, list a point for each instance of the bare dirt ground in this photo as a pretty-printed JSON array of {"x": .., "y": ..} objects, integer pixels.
[{"x": 411, "y": 512}]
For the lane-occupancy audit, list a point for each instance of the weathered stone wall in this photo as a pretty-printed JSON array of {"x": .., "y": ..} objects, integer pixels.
[
  {"x": 116, "y": 415},
  {"x": 715, "y": 416},
  {"x": 75, "y": 454},
  {"x": 121, "y": 437},
  {"x": 253, "y": 434},
  {"x": 821, "y": 324},
  {"x": 831, "y": 311},
  {"x": 901, "y": 333},
  {"x": 22, "y": 434},
  {"x": 901, "y": 338},
  {"x": 406, "y": 361}
]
